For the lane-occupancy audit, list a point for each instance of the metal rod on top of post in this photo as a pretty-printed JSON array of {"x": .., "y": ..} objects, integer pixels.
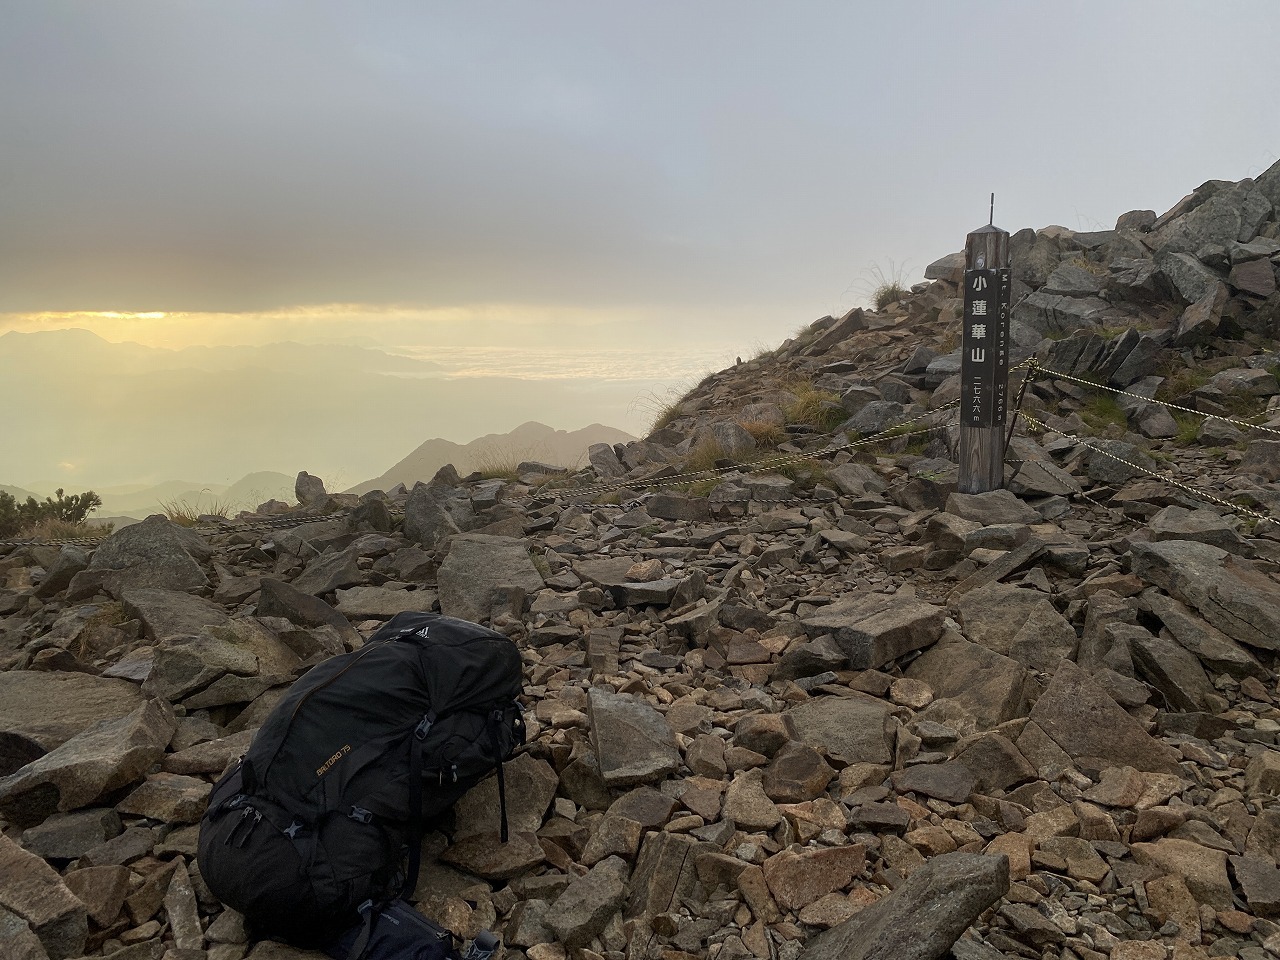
[{"x": 984, "y": 365}]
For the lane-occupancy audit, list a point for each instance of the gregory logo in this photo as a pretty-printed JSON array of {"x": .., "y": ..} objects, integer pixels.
[
  {"x": 423, "y": 632},
  {"x": 324, "y": 767}
]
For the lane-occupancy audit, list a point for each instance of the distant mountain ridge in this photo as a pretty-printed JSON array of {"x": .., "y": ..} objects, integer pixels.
[{"x": 529, "y": 441}]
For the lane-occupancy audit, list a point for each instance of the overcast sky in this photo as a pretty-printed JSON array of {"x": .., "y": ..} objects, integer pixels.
[{"x": 606, "y": 173}]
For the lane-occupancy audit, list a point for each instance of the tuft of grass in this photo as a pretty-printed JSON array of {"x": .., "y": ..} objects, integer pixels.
[
  {"x": 1188, "y": 429},
  {"x": 54, "y": 529},
  {"x": 702, "y": 488},
  {"x": 767, "y": 435},
  {"x": 495, "y": 465},
  {"x": 886, "y": 294},
  {"x": 818, "y": 408},
  {"x": 1102, "y": 411},
  {"x": 704, "y": 457},
  {"x": 187, "y": 514},
  {"x": 887, "y": 285}
]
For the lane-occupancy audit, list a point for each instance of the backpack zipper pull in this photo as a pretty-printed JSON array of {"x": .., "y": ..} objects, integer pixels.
[
  {"x": 245, "y": 814},
  {"x": 257, "y": 819}
]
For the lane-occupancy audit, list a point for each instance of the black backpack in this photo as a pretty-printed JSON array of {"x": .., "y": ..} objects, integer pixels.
[{"x": 366, "y": 748}]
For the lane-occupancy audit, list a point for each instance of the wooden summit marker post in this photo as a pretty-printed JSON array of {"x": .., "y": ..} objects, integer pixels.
[{"x": 984, "y": 365}]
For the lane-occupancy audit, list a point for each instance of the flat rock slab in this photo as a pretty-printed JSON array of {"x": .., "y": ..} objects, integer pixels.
[
  {"x": 482, "y": 571},
  {"x": 633, "y": 742},
  {"x": 950, "y": 781},
  {"x": 109, "y": 755},
  {"x": 987, "y": 684},
  {"x": 923, "y": 917},
  {"x": 170, "y": 613},
  {"x": 51, "y": 708},
  {"x": 1019, "y": 623},
  {"x": 32, "y": 890},
  {"x": 379, "y": 603},
  {"x": 330, "y": 572},
  {"x": 1228, "y": 592},
  {"x": 995, "y": 506},
  {"x": 153, "y": 553},
  {"x": 797, "y": 879},
  {"x": 876, "y": 629},
  {"x": 1085, "y": 722},
  {"x": 531, "y": 786},
  {"x": 852, "y": 728}
]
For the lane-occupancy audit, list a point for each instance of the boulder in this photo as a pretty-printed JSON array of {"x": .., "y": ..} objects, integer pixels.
[
  {"x": 1086, "y": 723},
  {"x": 851, "y": 728},
  {"x": 923, "y": 917},
  {"x": 633, "y": 743},
  {"x": 1228, "y": 592},
  {"x": 48, "y": 709},
  {"x": 988, "y": 684},
  {"x": 169, "y": 613},
  {"x": 107, "y": 756},
  {"x": 153, "y": 553},
  {"x": 1019, "y": 623},
  {"x": 33, "y": 891},
  {"x": 875, "y": 629},
  {"x": 482, "y": 572}
]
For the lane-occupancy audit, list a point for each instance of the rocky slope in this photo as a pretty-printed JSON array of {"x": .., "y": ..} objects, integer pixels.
[{"x": 828, "y": 708}]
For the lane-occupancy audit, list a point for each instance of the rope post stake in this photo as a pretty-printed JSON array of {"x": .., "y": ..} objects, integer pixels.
[{"x": 984, "y": 364}]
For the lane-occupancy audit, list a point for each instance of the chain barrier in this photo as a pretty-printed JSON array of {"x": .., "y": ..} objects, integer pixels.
[
  {"x": 226, "y": 526},
  {"x": 576, "y": 495},
  {"x": 1163, "y": 478},
  {"x": 1234, "y": 421}
]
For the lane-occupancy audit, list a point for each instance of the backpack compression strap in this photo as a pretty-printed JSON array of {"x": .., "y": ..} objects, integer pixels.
[
  {"x": 415, "y": 803},
  {"x": 495, "y": 725}
]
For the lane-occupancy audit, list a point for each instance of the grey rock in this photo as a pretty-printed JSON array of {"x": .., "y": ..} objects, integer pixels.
[
  {"x": 169, "y": 613},
  {"x": 279, "y": 599},
  {"x": 951, "y": 891},
  {"x": 634, "y": 743},
  {"x": 1115, "y": 462},
  {"x": 310, "y": 490},
  {"x": 108, "y": 755},
  {"x": 1191, "y": 278},
  {"x": 531, "y": 786},
  {"x": 580, "y": 913},
  {"x": 605, "y": 461},
  {"x": 1018, "y": 623},
  {"x": 185, "y": 665},
  {"x": 48, "y": 709},
  {"x": 71, "y": 560},
  {"x": 875, "y": 629},
  {"x": 1227, "y": 591},
  {"x": 69, "y": 836},
  {"x": 1069, "y": 280},
  {"x": 952, "y": 781},
  {"x": 330, "y": 572},
  {"x": 875, "y": 417},
  {"x": 730, "y": 438},
  {"x": 1262, "y": 459},
  {"x": 435, "y": 510},
  {"x": 851, "y": 728},
  {"x": 379, "y": 603},
  {"x": 1171, "y": 669},
  {"x": 856, "y": 479},
  {"x": 20, "y": 943},
  {"x": 482, "y": 572},
  {"x": 153, "y": 553},
  {"x": 988, "y": 684},
  {"x": 1085, "y": 722},
  {"x": 1203, "y": 526},
  {"x": 32, "y": 890},
  {"x": 1218, "y": 652},
  {"x": 995, "y": 506}
]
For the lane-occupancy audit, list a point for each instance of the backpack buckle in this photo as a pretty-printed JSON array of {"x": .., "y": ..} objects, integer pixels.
[
  {"x": 424, "y": 725},
  {"x": 361, "y": 815}
]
